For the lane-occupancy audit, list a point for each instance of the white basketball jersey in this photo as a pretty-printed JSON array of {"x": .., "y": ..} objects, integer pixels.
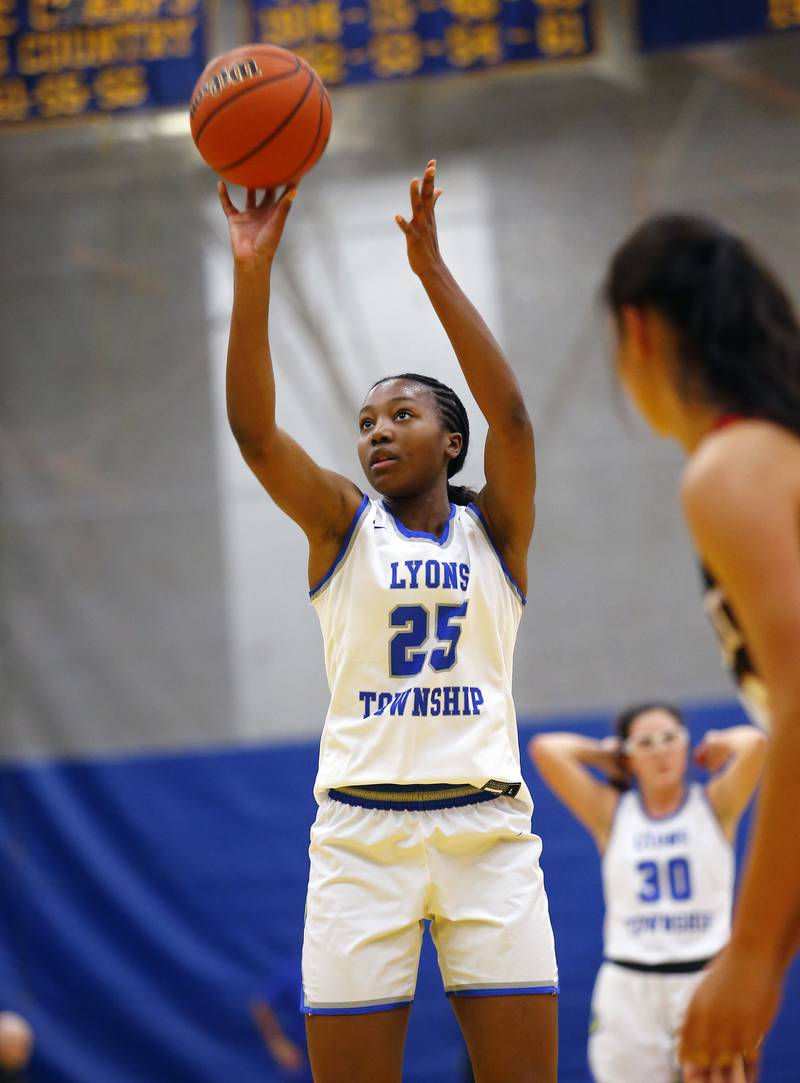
[
  {"x": 419, "y": 636},
  {"x": 668, "y": 883}
]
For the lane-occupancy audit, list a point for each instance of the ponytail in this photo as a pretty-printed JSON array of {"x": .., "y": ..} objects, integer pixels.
[
  {"x": 739, "y": 338},
  {"x": 461, "y": 494}
]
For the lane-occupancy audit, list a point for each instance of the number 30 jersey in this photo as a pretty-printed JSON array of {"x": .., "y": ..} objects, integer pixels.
[
  {"x": 667, "y": 882},
  {"x": 419, "y": 636}
]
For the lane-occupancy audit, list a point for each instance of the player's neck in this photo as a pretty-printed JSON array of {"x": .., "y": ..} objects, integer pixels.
[
  {"x": 661, "y": 801},
  {"x": 426, "y": 512},
  {"x": 694, "y": 424}
]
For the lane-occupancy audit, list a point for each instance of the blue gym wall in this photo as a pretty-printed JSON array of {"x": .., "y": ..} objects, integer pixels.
[
  {"x": 162, "y": 685},
  {"x": 150, "y": 898}
]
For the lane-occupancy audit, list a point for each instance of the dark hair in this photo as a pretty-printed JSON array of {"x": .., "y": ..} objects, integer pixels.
[
  {"x": 738, "y": 333},
  {"x": 454, "y": 418},
  {"x": 623, "y": 723},
  {"x": 621, "y": 728}
]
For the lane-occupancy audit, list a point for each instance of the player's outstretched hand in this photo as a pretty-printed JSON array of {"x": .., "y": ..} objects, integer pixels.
[
  {"x": 421, "y": 241},
  {"x": 256, "y": 231},
  {"x": 722, "y": 1025}
]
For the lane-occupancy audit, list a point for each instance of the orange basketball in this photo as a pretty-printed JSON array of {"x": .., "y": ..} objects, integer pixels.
[{"x": 260, "y": 116}]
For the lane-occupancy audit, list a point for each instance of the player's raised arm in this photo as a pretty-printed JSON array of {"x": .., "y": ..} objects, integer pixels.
[
  {"x": 507, "y": 501},
  {"x": 320, "y": 501},
  {"x": 735, "y": 756},
  {"x": 563, "y": 760}
]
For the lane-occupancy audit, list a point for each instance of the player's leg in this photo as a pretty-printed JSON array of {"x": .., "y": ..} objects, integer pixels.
[
  {"x": 630, "y": 1038},
  {"x": 357, "y": 1048},
  {"x": 493, "y": 937},
  {"x": 511, "y": 1039},
  {"x": 361, "y": 942}
]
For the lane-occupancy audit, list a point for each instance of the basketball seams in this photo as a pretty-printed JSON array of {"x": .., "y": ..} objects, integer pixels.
[
  {"x": 241, "y": 93},
  {"x": 283, "y": 124},
  {"x": 248, "y": 52},
  {"x": 297, "y": 125},
  {"x": 313, "y": 153}
]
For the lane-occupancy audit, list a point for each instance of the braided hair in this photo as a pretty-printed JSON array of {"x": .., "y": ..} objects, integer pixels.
[{"x": 453, "y": 416}]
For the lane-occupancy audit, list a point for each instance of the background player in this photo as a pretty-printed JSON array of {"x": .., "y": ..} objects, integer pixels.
[
  {"x": 274, "y": 1012},
  {"x": 423, "y": 813},
  {"x": 668, "y": 871},
  {"x": 16, "y": 1047},
  {"x": 708, "y": 349}
]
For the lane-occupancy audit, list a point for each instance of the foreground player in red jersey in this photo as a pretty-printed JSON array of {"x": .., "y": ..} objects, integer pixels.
[{"x": 708, "y": 349}]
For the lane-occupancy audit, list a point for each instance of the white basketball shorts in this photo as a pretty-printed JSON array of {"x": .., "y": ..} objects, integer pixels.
[
  {"x": 377, "y": 874},
  {"x": 635, "y": 1024}
]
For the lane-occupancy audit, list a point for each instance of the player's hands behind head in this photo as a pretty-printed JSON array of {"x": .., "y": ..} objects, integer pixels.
[
  {"x": 713, "y": 752},
  {"x": 613, "y": 763}
]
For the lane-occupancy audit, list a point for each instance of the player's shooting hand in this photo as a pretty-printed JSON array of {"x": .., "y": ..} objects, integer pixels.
[
  {"x": 422, "y": 243},
  {"x": 732, "y": 1008},
  {"x": 713, "y": 752},
  {"x": 256, "y": 231}
]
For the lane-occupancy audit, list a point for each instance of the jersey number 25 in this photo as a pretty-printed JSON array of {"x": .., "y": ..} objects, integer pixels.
[{"x": 405, "y": 657}]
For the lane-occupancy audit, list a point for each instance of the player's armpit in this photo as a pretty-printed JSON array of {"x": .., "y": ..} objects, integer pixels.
[
  {"x": 731, "y": 789},
  {"x": 507, "y": 499}
]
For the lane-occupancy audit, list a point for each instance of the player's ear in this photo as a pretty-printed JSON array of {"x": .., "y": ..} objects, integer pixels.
[
  {"x": 455, "y": 442},
  {"x": 635, "y": 333}
]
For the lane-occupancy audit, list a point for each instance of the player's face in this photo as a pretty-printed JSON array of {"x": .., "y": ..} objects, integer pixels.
[
  {"x": 644, "y": 344},
  {"x": 657, "y": 750},
  {"x": 402, "y": 445}
]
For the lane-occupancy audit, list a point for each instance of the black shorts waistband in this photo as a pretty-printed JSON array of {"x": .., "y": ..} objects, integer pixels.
[
  {"x": 417, "y": 798},
  {"x": 689, "y": 966}
]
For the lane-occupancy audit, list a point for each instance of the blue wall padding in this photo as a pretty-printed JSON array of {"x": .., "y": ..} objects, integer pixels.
[
  {"x": 145, "y": 900},
  {"x": 669, "y": 24}
]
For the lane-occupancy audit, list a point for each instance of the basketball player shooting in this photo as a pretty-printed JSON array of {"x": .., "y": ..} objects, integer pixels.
[{"x": 423, "y": 813}]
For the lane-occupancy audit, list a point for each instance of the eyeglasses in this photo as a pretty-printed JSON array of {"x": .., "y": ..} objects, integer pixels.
[{"x": 649, "y": 743}]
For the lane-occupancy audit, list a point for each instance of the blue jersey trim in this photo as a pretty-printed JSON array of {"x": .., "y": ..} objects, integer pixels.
[
  {"x": 524, "y": 990},
  {"x": 412, "y": 806},
  {"x": 440, "y": 539},
  {"x": 477, "y": 512},
  {"x": 342, "y": 549},
  {"x": 365, "y": 1009},
  {"x": 687, "y": 792}
]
